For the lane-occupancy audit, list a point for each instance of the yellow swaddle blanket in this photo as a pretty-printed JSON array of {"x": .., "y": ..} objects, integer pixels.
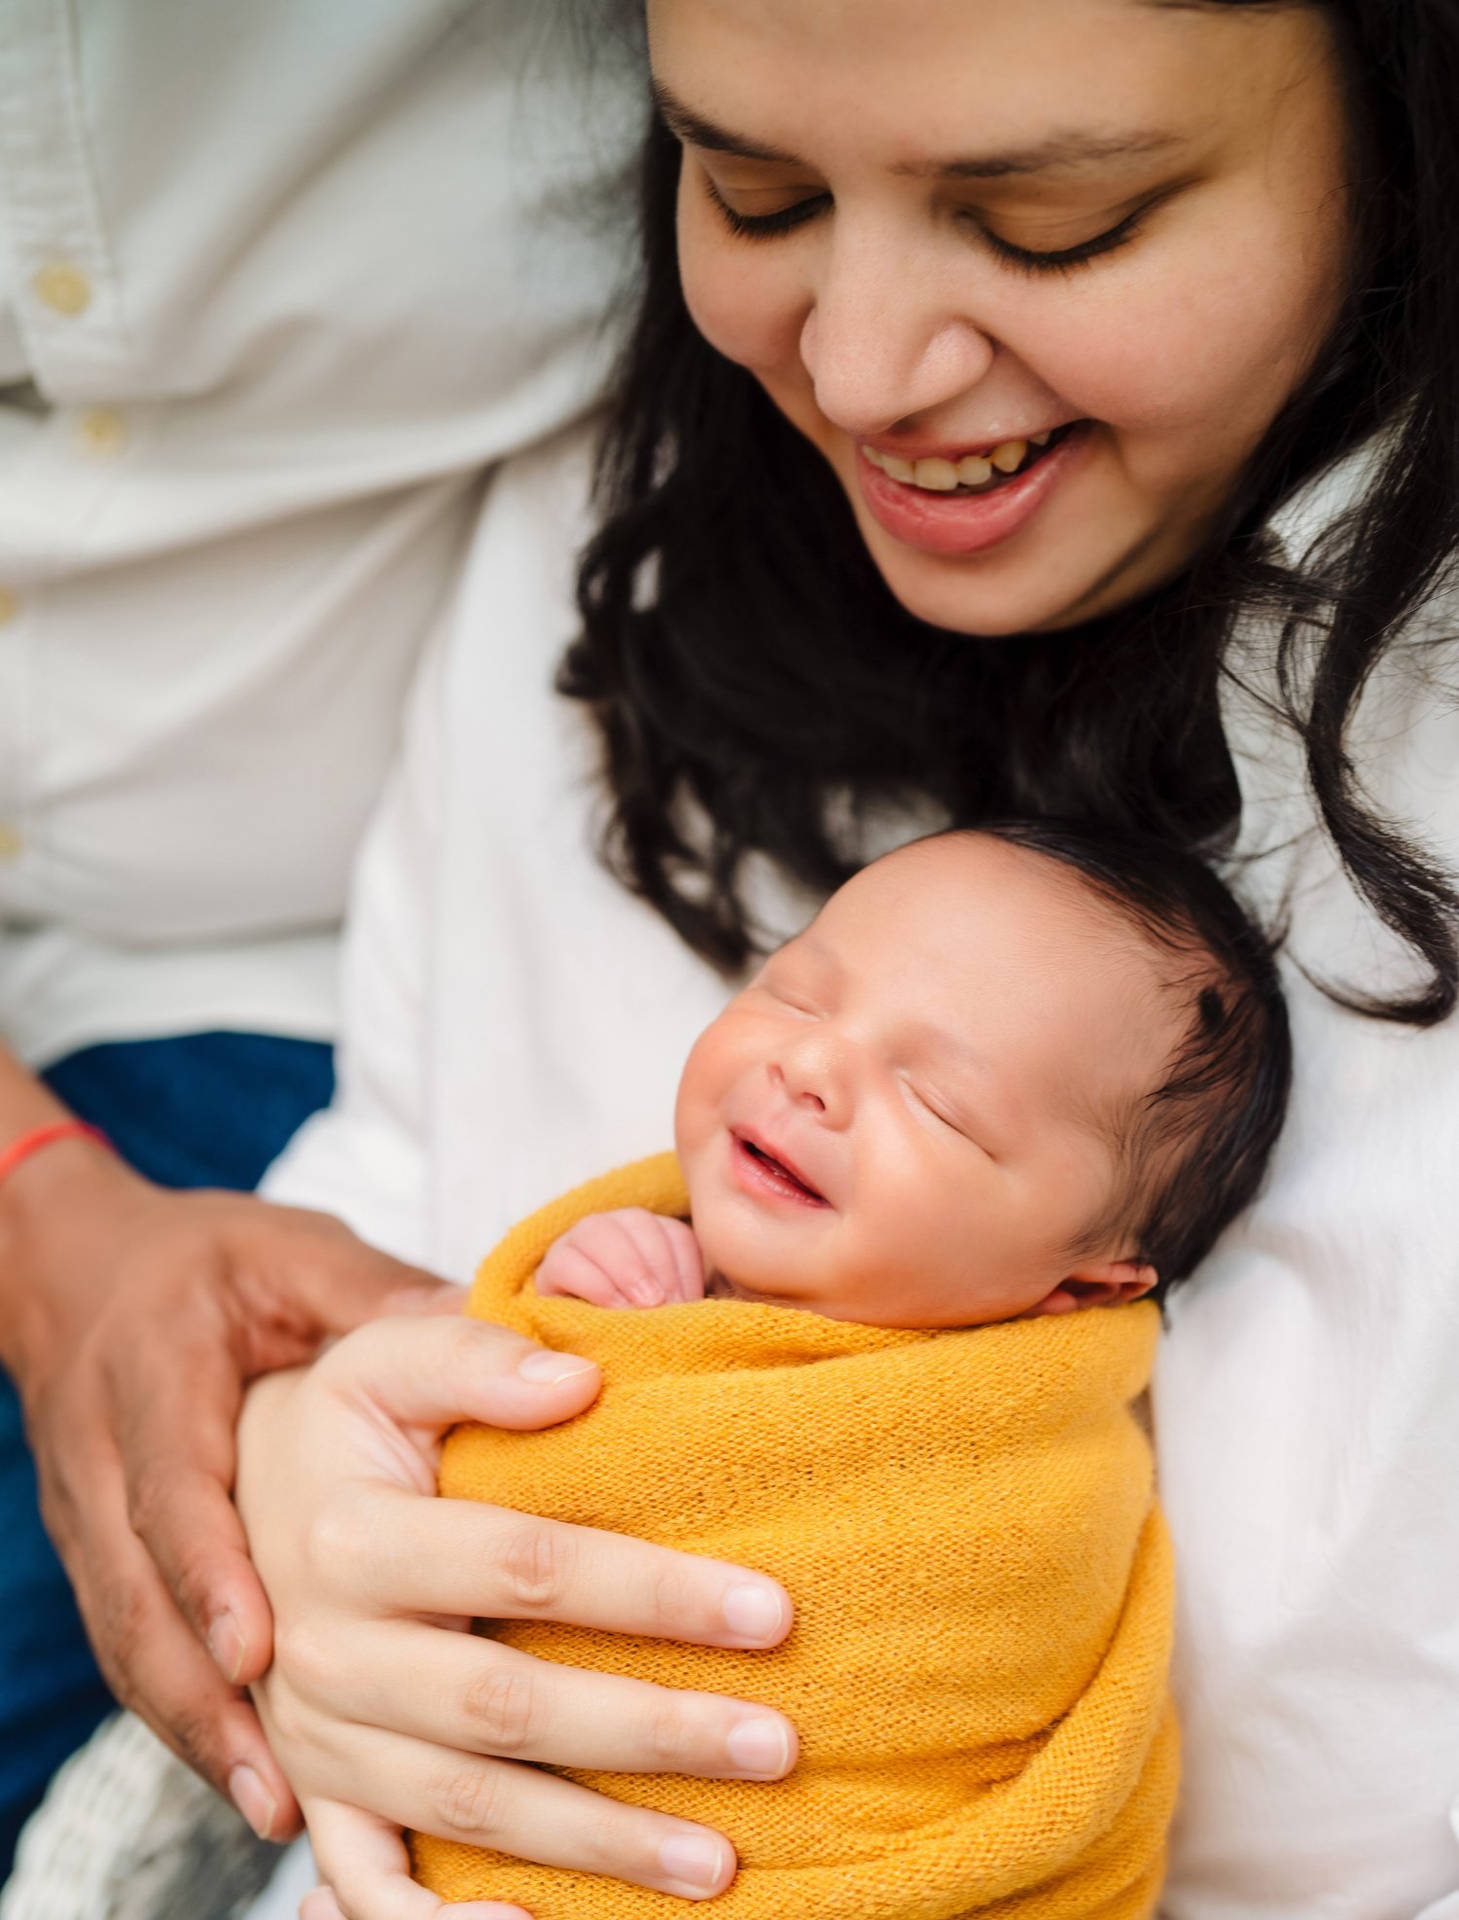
[{"x": 982, "y": 1582}]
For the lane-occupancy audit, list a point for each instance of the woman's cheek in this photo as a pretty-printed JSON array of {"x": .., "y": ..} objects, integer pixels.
[
  {"x": 744, "y": 300},
  {"x": 1186, "y": 347}
]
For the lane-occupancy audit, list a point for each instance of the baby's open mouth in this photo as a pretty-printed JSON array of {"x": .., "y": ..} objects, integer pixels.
[
  {"x": 974, "y": 472},
  {"x": 777, "y": 1174}
]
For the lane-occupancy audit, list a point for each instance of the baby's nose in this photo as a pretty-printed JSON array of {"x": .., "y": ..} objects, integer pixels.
[{"x": 812, "y": 1077}]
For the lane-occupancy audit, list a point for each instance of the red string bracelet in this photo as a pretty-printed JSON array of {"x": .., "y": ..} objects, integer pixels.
[{"x": 28, "y": 1143}]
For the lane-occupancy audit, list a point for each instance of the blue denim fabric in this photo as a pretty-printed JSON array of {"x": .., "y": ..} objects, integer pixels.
[{"x": 202, "y": 1110}]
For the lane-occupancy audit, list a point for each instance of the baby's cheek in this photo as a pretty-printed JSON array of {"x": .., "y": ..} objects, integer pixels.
[{"x": 708, "y": 1224}]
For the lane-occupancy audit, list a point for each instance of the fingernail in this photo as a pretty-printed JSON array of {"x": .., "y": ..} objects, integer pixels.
[
  {"x": 647, "y": 1293},
  {"x": 694, "y": 1862},
  {"x": 754, "y": 1613},
  {"x": 253, "y": 1800},
  {"x": 759, "y": 1746},
  {"x": 228, "y": 1647},
  {"x": 545, "y": 1368}
]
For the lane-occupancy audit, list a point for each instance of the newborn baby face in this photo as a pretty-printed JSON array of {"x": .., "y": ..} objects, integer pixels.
[{"x": 911, "y": 1117}]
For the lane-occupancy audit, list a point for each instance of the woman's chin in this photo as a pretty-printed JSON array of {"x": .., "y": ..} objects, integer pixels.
[
  {"x": 1043, "y": 584},
  {"x": 981, "y": 596}
]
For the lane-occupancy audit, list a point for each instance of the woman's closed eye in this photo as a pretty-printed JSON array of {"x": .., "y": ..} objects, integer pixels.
[
  {"x": 1062, "y": 259},
  {"x": 765, "y": 226},
  {"x": 797, "y": 213}
]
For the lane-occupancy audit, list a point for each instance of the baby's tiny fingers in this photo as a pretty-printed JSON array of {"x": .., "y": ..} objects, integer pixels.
[
  {"x": 568, "y": 1270},
  {"x": 640, "y": 1260},
  {"x": 688, "y": 1260}
]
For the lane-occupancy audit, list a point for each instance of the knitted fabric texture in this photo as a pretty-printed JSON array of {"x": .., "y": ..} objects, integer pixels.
[{"x": 982, "y": 1583}]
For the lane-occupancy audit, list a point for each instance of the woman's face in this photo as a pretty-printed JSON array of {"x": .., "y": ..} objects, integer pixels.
[{"x": 1035, "y": 276}]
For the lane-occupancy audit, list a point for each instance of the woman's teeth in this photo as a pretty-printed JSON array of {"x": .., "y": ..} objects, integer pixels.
[{"x": 973, "y": 470}]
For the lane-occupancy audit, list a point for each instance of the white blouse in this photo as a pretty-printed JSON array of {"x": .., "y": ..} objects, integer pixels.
[
  {"x": 277, "y": 281},
  {"x": 515, "y": 1021}
]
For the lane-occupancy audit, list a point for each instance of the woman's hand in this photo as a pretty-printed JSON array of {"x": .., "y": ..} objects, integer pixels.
[
  {"x": 370, "y": 1704},
  {"x": 131, "y": 1319}
]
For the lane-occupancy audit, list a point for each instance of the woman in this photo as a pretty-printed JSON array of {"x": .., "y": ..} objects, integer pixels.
[{"x": 1163, "y": 264}]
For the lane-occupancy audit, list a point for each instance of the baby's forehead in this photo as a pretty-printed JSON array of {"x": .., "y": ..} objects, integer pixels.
[
  {"x": 971, "y": 880},
  {"x": 979, "y": 934}
]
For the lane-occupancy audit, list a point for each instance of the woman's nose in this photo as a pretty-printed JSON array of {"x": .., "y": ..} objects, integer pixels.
[{"x": 880, "y": 346}]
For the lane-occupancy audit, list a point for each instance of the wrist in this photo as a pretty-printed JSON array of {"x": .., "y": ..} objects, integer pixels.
[
  {"x": 24, "y": 1146},
  {"x": 74, "y": 1185}
]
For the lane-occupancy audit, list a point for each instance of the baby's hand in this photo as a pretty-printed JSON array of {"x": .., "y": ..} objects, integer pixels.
[{"x": 628, "y": 1258}]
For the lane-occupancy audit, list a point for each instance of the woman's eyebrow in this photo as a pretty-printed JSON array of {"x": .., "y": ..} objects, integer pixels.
[
  {"x": 699, "y": 132},
  {"x": 1073, "y": 149},
  {"x": 1059, "y": 150}
]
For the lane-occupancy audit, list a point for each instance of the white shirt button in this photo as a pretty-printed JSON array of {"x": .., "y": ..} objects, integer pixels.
[
  {"x": 63, "y": 287},
  {"x": 9, "y": 606},
  {"x": 102, "y": 432},
  {"x": 10, "y": 842}
]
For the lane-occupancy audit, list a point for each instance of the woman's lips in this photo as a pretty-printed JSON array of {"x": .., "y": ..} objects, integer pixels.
[
  {"x": 764, "y": 1176},
  {"x": 959, "y": 523}
]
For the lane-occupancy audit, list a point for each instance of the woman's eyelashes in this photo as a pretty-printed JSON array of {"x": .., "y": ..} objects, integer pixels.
[
  {"x": 765, "y": 226},
  {"x": 784, "y": 220},
  {"x": 1062, "y": 259}
]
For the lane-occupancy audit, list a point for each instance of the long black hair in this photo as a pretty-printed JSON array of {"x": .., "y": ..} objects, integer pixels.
[{"x": 749, "y": 667}]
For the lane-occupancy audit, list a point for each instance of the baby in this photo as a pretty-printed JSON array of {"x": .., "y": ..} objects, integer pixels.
[{"x": 1004, "y": 1076}]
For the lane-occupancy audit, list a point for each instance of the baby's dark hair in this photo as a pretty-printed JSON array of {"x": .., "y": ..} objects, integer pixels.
[{"x": 1197, "y": 1145}]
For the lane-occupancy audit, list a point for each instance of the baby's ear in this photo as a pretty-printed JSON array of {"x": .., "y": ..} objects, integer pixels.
[{"x": 1099, "y": 1283}]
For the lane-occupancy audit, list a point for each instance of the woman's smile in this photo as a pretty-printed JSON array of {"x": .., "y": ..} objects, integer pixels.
[{"x": 942, "y": 506}]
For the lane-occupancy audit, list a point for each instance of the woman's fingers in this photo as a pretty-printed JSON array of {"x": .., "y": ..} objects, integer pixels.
[
  {"x": 428, "y": 1372},
  {"x": 320, "y": 1904},
  {"x": 333, "y": 1467},
  {"x": 534, "y": 1815},
  {"x": 368, "y": 1870},
  {"x": 480, "y": 1697},
  {"x": 394, "y": 1553}
]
